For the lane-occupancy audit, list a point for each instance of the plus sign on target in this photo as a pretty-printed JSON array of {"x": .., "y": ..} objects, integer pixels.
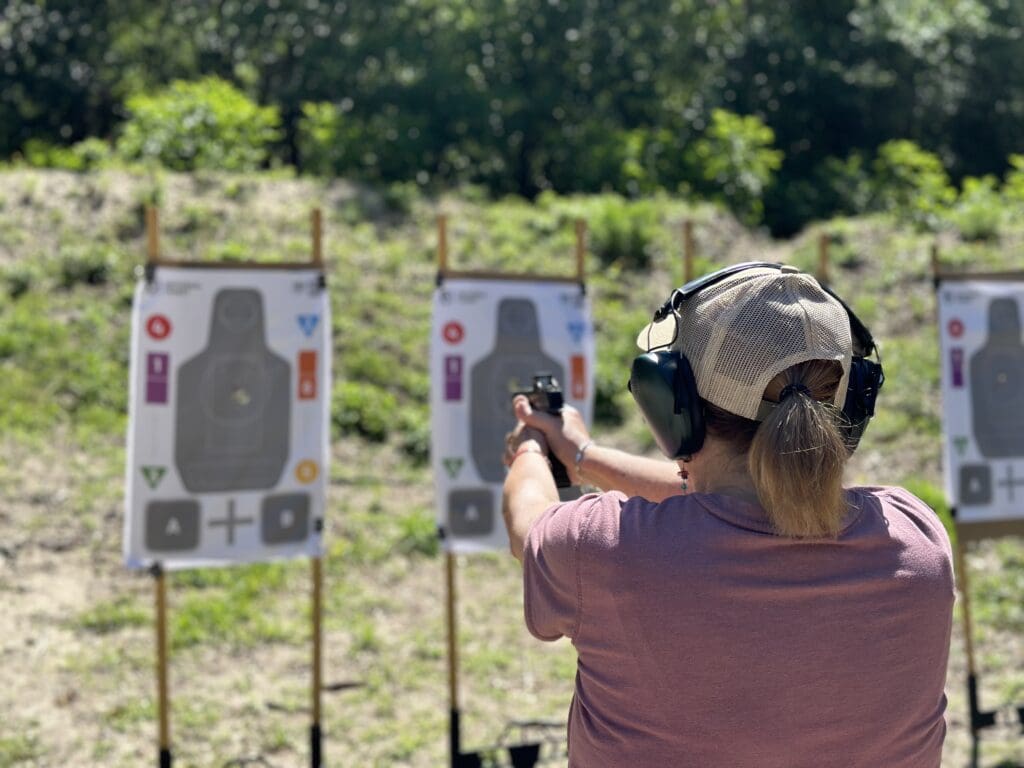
[
  {"x": 228, "y": 419},
  {"x": 980, "y": 325}
]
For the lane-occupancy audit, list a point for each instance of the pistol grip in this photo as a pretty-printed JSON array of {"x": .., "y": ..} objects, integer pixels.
[{"x": 559, "y": 472}]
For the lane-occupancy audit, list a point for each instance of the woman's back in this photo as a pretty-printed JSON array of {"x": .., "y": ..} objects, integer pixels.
[{"x": 704, "y": 639}]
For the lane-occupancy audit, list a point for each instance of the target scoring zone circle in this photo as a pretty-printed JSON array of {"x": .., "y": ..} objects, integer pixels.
[{"x": 453, "y": 332}]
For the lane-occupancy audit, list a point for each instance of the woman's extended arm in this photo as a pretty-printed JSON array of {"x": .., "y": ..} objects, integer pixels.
[
  {"x": 607, "y": 468},
  {"x": 529, "y": 488}
]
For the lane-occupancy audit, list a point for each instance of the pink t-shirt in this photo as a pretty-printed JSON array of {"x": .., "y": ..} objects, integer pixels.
[{"x": 706, "y": 640}]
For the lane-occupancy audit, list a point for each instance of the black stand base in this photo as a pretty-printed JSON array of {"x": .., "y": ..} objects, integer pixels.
[
  {"x": 521, "y": 756},
  {"x": 165, "y": 758},
  {"x": 315, "y": 742},
  {"x": 454, "y": 750},
  {"x": 979, "y": 719},
  {"x": 525, "y": 755}
]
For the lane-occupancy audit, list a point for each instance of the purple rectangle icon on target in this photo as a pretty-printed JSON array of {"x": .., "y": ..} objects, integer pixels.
[
  {"x": 157, "y": 364},
  {"x": 957, "y": 359},
  {"x": 452, "y": 377}
]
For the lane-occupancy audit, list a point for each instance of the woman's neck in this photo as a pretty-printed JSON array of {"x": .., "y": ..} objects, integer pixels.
[{"x": 717, "y": 469}]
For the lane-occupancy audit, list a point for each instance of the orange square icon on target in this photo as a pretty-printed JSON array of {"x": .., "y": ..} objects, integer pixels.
[
  {"x": 578, "y": 377},
  {"x": 307, "y": 375}
]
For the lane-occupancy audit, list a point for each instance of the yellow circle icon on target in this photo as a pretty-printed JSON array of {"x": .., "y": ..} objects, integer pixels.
[{"x": 306, "y": 471}]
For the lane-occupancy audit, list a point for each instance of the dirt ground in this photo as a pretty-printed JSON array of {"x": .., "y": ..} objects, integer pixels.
[{"x": 75, "y": 697}]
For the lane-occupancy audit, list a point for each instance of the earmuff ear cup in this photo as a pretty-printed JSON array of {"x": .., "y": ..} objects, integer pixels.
[
  {"x": 866, "y": 379},
  {"x": 663, "y": 385}
]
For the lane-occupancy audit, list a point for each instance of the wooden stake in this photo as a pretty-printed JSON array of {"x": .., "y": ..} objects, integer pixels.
[
  {"x": 933, "y": 253},
  {"x": 315, "y": 738},
  {"x": 163, "y": 709},
  {"x": 316, "y": 225},
  {"x": 442, "y": 243},
  {"x": 965, "y": 595},
  {"x": 315, "y": 732},
  {"x": 823, "y": 245},
  {"x": 581, "y": 249},
  {"x": 152, "y": 235},
  {"x": 453, "y": 645},
  {"x": 688, "y": 250}
]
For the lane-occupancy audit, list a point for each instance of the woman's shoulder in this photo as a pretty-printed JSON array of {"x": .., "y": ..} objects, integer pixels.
[
  {"x": 890, "y": 494},
  {"x": 597, "y": 520},
  {"x": 902, "y": 511}
]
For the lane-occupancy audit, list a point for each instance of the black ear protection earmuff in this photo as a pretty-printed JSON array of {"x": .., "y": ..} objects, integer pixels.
[{"x": 664, "y": 387}]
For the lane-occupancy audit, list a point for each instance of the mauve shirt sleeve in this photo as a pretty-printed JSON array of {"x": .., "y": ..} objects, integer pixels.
[{"x": 551, "y": 583}]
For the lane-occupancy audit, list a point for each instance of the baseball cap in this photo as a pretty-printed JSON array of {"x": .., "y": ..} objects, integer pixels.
[{"x": 740, "y": 332}]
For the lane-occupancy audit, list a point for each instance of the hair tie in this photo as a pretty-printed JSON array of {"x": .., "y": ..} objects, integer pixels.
[{"x": 792, "y": 389}]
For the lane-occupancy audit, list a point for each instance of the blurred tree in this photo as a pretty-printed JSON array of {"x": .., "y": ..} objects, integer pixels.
[
  {"x": 68, "y": 66},
  {"x": 527, "y": 95},
  {"x": 208, "y": 124}
]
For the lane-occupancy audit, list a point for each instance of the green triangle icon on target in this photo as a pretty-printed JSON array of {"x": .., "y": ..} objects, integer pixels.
[{"x": 153, "y": 476}]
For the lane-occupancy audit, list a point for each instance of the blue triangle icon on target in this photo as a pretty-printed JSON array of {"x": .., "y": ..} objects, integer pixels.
[{"x": 308, "y": 324}]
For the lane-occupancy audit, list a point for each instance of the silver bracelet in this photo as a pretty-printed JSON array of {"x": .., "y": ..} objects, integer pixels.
[{"x": 581, "y": 453}]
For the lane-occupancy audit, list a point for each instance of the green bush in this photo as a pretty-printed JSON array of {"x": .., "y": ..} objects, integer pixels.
[
  {"x": 978, "y": 211},
  {"x": 363, "y": 409},
  {"x": 620, "y": 231},
  {"x": 86, "y": 155},
  {"x": 208, "y": 124},
  {"x": 912, "y": 183},
  {"x": 415, "y": 427},
  {"x": 384, "y": 146},
  {"x": 42, "y": 154},
  {"x": 850, "y": 182},
  {"x": 737, "y": 162},
  {"x": 1013, "y": 186},
  {"x": 18, "y": 278},
  {"x": 88, "y": 264},
  {"x": 321, "y": 145}
]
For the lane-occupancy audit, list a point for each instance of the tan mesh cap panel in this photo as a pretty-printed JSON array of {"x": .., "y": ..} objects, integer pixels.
[{"x": 740, "y": 333}]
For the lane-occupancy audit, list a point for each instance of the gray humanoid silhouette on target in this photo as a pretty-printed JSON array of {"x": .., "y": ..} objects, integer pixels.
[
  {"x": 510, "y": 366},
  {"x": 233, "y": 403},
  {"x": 997, "y": 384}
]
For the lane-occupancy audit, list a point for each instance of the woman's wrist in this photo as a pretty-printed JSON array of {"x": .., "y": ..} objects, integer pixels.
[
  {"x": 581, "y": 455},
  {"x": 529, "y": 447}
]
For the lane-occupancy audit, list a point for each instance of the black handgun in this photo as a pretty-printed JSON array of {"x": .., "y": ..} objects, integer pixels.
[{"x": 546, "y": 396}]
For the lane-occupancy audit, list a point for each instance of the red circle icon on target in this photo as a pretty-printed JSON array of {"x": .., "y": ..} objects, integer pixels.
[
  {"x": 956, "y": 328},
  {"x": 158, "y": 327},
  {"x": 453, "y": 332}
]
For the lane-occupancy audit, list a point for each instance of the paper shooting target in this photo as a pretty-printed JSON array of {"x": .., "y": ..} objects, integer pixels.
[
  {"x": 228, "y": 416},
  {"x": 488, "y": 339}
]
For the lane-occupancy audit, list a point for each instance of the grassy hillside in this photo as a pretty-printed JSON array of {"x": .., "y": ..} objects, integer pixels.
[{"x": 76, "y": 641}]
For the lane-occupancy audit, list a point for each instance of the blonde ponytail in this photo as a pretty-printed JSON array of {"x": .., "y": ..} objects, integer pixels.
[{"x": 797, "y": 454}]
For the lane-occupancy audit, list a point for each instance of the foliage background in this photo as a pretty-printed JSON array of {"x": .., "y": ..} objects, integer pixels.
[{"x": 522, "y": 96}]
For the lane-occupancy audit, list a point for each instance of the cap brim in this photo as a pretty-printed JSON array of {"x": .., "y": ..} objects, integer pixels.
[{"x": 658, "y": 335}]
